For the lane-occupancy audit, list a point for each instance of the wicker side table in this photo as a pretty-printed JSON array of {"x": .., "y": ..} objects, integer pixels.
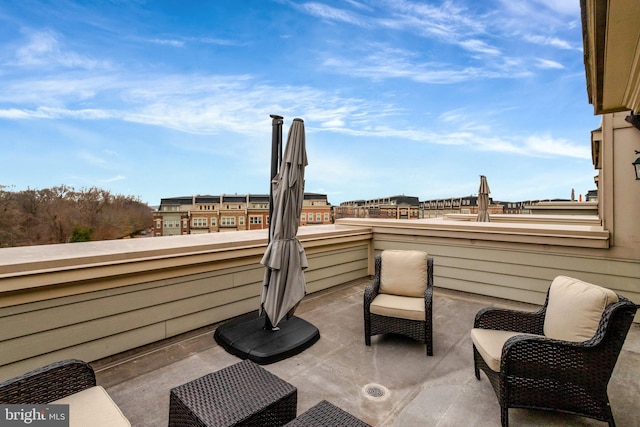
[
  {"x": 243, "y": 394},
  {"x": 325, "y": 414}
]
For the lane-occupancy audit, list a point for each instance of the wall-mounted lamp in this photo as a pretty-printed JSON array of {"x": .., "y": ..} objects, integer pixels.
[
  {"x": 636, "y": 165},
  {"x": 634, "y": 119}
]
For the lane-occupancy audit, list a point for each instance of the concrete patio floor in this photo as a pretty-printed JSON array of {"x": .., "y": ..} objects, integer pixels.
[{"x": 428, "y": 391}]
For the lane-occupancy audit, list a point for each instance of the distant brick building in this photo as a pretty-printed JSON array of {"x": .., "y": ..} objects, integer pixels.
[
  {"x": 396, "y": 207},
  {"x": 212, "y": 214},
  {"x": 456, "y": 205}
]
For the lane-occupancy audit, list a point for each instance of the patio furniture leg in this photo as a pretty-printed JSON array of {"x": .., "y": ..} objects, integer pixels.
[
  {"x": 475, "y": 363},
  {"x": 504, "y": 416}
]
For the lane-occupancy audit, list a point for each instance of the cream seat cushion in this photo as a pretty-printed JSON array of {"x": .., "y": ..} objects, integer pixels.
[
  {"x": 93, "y": 407},
  {"x": 403, "y": 273},
  {"x": 575, "y": 308},
  {"x": 489, "y": 344},
  {"x": 397, "y": 306}
]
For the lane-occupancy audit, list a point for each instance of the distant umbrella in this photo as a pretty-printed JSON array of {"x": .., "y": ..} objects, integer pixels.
[
  {"x": 483, "y": 200},
  {"x": 285, "y": 259}
]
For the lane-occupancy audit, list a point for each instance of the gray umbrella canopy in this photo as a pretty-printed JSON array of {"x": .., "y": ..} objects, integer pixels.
[
  {"x": 285, "y": 259},
  {"x": 483, "y": 200}
]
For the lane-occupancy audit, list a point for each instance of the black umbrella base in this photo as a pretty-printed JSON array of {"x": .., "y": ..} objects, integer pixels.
[{"x": 246, "y": 338}]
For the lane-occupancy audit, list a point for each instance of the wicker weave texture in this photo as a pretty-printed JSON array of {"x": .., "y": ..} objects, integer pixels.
[
  {"x": 243, "y": 394},
  {"x": 374, "y": 324},
  {"x": 543, "y": 373},
  {"x": 325, "y": 414},
  {"x": 49, "y": 383}
]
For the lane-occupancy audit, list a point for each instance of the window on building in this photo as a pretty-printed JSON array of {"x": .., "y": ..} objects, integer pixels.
[
  {"x": 241, "y": 220},
  {"x": 326, "y": 217},
  {"x": 303, "y": 217},
  {"x": 159, "y": 224},
  {"x": 199, "y": 222},
  {"x": 255, "y": 220},
  {"x": 228, "y": 220},
  {"x": 318, "y": 217}
]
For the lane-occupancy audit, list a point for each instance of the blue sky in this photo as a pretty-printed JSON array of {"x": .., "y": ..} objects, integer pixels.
[{"x": 172, "y": 98}]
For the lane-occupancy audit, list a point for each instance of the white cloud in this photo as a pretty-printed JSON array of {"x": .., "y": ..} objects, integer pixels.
[
  {"x": 384, "y": 62},
  {"x": 479, "y": 46},
  {"x": 210, "y": 105},
  {"x": 565, "y": 7},
  {"x": 115, "y": 178},
  {"x": 334, "y": 14},
  {"x": 15, "y": 114},
  {"x": 333, "y": 123},
  {"x": 359, "y": 5},
  {"x": 447, "y": 20},
  {"x": 56, "y": 113},
  {"x": 43, "y": 50},
  {"x": 549, "y": 64},
  {"x": 168, "y": 42},
  {"x": 549, "y": 41},
  {"x": 547, "y": 145},
  {"x": 93, "y": 159}
]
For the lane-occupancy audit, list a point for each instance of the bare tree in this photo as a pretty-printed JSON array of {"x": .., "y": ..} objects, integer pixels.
[{"x": 55, "y": 215}]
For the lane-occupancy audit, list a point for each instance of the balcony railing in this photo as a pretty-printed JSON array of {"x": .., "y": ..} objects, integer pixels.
[{"x": 92, "y": 300}]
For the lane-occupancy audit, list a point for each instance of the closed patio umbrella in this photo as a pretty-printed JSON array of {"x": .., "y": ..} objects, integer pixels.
[
  {"x": 266, "y": 336},
  {"x": 483, "y": 200},
  {"x": 285, "y": 259}
]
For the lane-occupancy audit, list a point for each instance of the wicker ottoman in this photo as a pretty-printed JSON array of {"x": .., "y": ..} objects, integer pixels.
[
  {"x": 324, "y": 414},
  {"x": 243, "y": 394}
]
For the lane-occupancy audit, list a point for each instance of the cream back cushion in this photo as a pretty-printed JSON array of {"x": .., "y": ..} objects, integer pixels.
[
  {"x": 403, "y": 273},
  {"x": 575, "y": 308}
]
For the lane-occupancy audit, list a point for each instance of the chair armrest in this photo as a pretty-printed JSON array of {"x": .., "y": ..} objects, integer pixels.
[
  {"x": 430, "y": 273},
  {"x": 560, "y": 361},
  {"x": 428, "y": 291},
  {"x": 530, "y": 322},
  {"x": 48, "y": 383},
  {"x": 372, "y": 290}
]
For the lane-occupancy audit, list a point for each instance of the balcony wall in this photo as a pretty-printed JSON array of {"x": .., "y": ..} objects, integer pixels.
[
  {"x": 92, "y": 300},
  {"x": 513, "y": 260}
]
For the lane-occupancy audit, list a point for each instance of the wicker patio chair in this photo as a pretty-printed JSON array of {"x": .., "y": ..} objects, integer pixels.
[
  {"x": 49, "y": 383},
  {"x": 400, "y": 298},
  {"x": 69, "y": 382},
  {"x": 558, "y": 358}
]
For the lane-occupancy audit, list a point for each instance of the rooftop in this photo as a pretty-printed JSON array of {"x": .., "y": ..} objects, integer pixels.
[{"x": 429, "y": 391}]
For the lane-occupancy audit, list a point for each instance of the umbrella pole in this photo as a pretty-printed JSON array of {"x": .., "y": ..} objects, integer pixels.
[{"x": 276, "y": 158}]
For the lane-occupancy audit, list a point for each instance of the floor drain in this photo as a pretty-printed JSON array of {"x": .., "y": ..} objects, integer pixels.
[{"x": 375, "y": 391}]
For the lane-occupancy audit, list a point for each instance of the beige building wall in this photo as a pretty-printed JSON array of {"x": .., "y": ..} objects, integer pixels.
[{"x": 619, "y": 191}]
